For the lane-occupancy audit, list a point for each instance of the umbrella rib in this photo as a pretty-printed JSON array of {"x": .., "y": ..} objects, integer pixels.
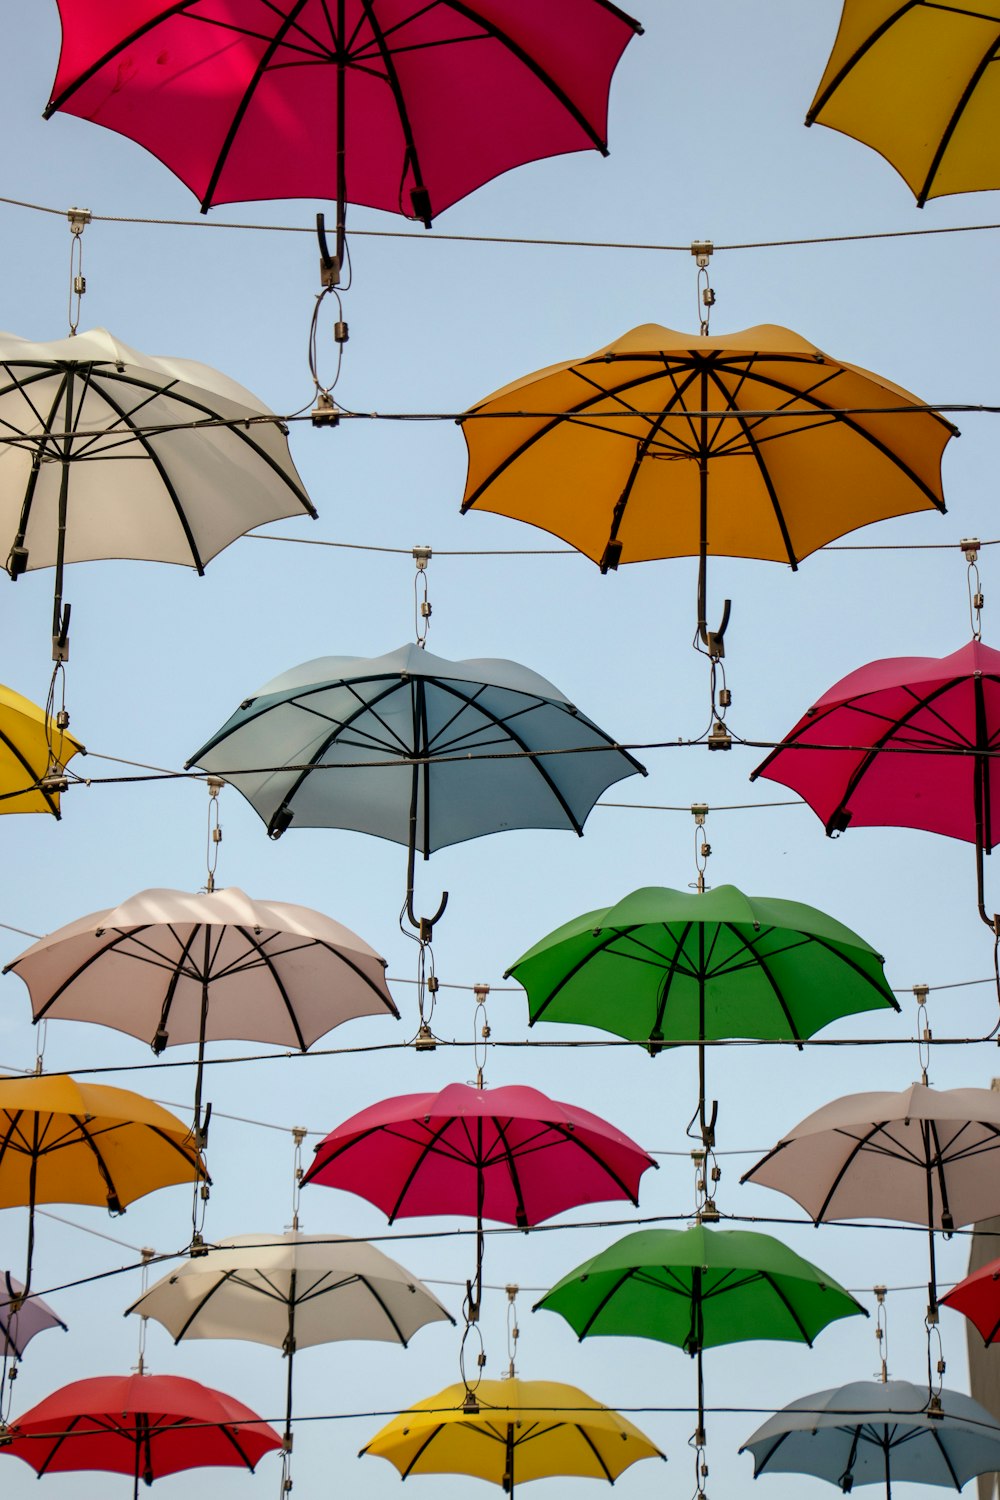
[
  {"x": 612, "y": 1291},
  {"x": 762, "y": 468},
  {"x": 81, "y": 968},
  {"x": 512, "y": 1169},
  {"x": 46, "y": 436},
  {"x": 22, "y": 760},
  {"x": 392, "y": 78},
  {"x": 766, "y": 971},
  {"x": 428, "y": 1148},
  {"x": 70, "y": 1428},
  {"x": 944, "y": 1454},
  {"x": 642, "y": 449},
  {"x": 573, "y": 1139},
  {"x": 199, "y": 1307},
  {"x": 868, "y": 758},
  {"x": 422, "y": 1449},
  {"x": 372, "y": 1290},
  {"x": 858, "y": 969},
  {"x": 102, "y": 1165},
  {"x": 593, "y": 1448},
  {"x": 112, "y": 52},
  {"x": 192, "y": 1161},
  {"x": 571, "y": 973},
  {"x": 279, "y": 984},
  {"x": 786, "y": 1303},
  {"x": 856, "y": 57}
]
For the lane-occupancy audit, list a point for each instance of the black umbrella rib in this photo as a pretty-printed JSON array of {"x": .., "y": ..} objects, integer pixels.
[
  {"x": 988, "y": 56},
  {"x": 427, "y": 1149},
  {"x": 593, "y": 1448},
  {"x": 392, "y": 78},
  {"x": 423, "y": 773},
  {"x": 574, "y": 1139},
  {"x": 602, "y": 394},
  {"x": 602, "y": 1303},
  {"x": 278, "y": 982},
  {"x": 859, "y": 1145},
  {"x": 612, "y": 935},
  {"x": 533, "y": 66},
  {"x": 102, "y": 1166},
  {"x": 80, "y": 969},
  {"x": 232, "y": 1436},
  {"x": 171, "y": 990},
  {"x": 642, "y": 449},
  {"x": 370, "y": 1288},
  {"x": 286, "y": 24},
  {"x": 405, "y": 1473},
  {"x": 511, "y": 1160},
  {"x": 786, "y": 1303},
  {"x": 192, "y": 1161},
  {"x": 113, "y": 52},
  {"x": 944, "y": 1454},
  {"x": 858, "y": 969},
  {"x": 857, "y": 55},
  {"x": 867, "y": 760},
  {"x": 775, "y": 987},
  {"x": 22, "y": 760},
  {"x": 668, "y": 978},
  {"x": 762, "y": 467},
  {"x": 199, "y": 1308},
  {"x": 29, "y": 493},
  {"x": 70, "y": 1427}
]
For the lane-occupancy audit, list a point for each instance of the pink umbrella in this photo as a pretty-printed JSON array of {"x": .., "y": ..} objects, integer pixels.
[
  {"x": 510, "y": 1154},
  {"x": 397, "y": 104},
  {"x": 908, "y": 742}
]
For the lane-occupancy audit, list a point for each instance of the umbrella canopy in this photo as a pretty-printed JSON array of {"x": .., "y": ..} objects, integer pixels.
[
  {"x": 666, "y": 966},
  {"x": 978, "y": 1298},
  {"x": 20, "y": 1320},
  {"x": 430, "y": 752},
  {"x": 533, "y": 1429},
  {"x": 396, "y": 104},
  {"x": 907, "y": 742},
  {"x": 305, "y": 1288},
  {"x": 274, "y": 972},
  {"x": 68, "y": 1142},
  {"x": 27, "y": 742},
  {"x": 101, "y": 462},
  {"x": 143, "y": 1425},
  {"x": 916, "y": 1156},
  {"x": 915, "y": 82},
  {"x": 613, "y": 451},
  {"x": 873, "y": 1433},
  {"x": 510, "y": 1154},
  {"x": 699, "y": 1287}
]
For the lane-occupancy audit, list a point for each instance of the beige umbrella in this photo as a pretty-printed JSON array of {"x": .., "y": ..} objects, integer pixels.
[
  {"x": 916, "y": 1156},
  {"x": 170, "y": 967}
]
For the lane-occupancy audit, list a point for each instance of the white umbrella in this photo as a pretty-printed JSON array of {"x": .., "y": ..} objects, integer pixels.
[
  {"x": 170, "y": 967},
  {"x": 291, "y": 1291},
  {"x": 109, "y": 453}
]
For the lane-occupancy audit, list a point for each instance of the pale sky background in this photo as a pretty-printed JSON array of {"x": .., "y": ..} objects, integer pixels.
[{"x": 706, "y": 141}]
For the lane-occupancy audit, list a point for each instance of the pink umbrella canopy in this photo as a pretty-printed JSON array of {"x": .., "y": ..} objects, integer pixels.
[
  {"x": 21, "y": 1319},
  {"x": 510, "y": 1154},
  {"x": 907, "y": 742},
  {"x": 422, "y": 103}
]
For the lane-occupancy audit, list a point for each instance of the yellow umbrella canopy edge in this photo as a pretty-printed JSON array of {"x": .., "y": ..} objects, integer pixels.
[
  {"x": 24, "y": 755},
  {"x": 68, "y": 1142},
  {"x": 914, "y": 82},
  {"x": 610, "y": 456},
  {"x": 523, "y": 1430}
]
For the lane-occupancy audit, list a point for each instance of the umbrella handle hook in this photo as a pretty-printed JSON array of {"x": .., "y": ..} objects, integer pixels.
[
  {"x": 424, "y": 925},
  {"x": 713, "y": 639},
  {"x": 708, "y": 1123}
]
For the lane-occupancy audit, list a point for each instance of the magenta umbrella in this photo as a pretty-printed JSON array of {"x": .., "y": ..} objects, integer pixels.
[
  {"x": 908, "y": 742},
  {"x": 510, "y": 1154},
  {"x": 396, "y": 104}
]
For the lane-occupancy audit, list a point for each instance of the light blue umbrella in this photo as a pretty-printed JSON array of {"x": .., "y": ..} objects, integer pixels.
[
  {"x": 427, "y": 752},
  {"x": 871, "y": 1433}
]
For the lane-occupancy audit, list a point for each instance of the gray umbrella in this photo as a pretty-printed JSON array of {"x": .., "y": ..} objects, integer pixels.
[
  {"x": 871, "y": 1433},
  {"x": 20, "y": 1320},
  {"x": 428, "y": 752}
]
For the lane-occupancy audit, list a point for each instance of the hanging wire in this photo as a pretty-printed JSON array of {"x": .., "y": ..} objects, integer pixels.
[
  {"x": 213, "y": 836},
  {"x": 702, "y": 848},
  {"x": 480, "y": 1032},
  {"x": 971, "y": 547},
  {"x": 513, "y": 1332},
  {"x": 427, "y": 987},
  {"x": 148, "y": 1255},
  {"x": 702, "y": 252},
  {"x": 299, "y": 1134},
  {"x": 421, "y": 600},
  {"x": 707, "y": 1174},
  {"x": 470, "y": 1403},
  {"x": 924, "y": 1034},
  {"x": 881, "y": 1333},
  {"x": 935, "y": 1368},
  {"x": 78, "y": 218}
]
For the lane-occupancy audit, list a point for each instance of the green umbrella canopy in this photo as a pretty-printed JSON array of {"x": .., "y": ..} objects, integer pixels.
[
  {"x": 699, "y": 1287},
  {"x": 665, "y": 965}
]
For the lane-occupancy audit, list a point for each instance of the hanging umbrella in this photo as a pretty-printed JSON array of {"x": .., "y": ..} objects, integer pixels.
[
  {"x": 666, "y": 444},
  {"x": 919, "y": 1156},
  {"x": 510, "y": 1154},
  {"x": 697, "y": 1288},
  {"x": 874, "y": 1433},
  {"x": 396, "y": 104},
  {"x": 20, "y": 1320},
  {"x": 430, "y": 752},
  {"x": 664, "y": 966},
  {"x": 143, "y": 1425},
  {"x": 907, "y": 742},
  {"x": 68, "y": 1142},
  {"x": 170, "y": 967},
  {"x": 33, "y": 755},
  {"x": 533, "y": 1429},
  {"x": 291, "y": 1291},
  {"x": 916, "y": 82},
  {"x": 978, "y": 1298},
  {"x": 109, "y": 453}
]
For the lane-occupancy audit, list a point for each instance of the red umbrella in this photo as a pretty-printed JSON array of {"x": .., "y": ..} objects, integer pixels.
[
  {"x": 978, "y": 1297},
  {"x": 397, "y": 104},
  {"x": 143, "y": 1425},
  {"x": 510, "y": 1154},
  {"x": 908, "y": 742}
]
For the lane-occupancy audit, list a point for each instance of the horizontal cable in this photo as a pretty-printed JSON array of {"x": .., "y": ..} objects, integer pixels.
[{"x": 429, "y": 237}]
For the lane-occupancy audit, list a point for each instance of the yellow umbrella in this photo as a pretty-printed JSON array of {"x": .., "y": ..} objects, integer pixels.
[
  {"x": 919, "y": 83},
  {"x": 515, "y": 1430},
  {"x": 612, "y": 452},
  {"x": 25, "y": 756},
  {"x": 68, "y": 1142}
]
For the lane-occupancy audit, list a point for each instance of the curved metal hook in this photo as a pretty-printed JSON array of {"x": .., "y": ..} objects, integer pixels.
[
  {"x": 713, "y": 639},
  {"x": 424, "y": 925},
  {"x": 708, "y": 1125}
]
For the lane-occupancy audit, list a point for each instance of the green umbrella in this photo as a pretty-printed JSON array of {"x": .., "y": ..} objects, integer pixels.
[
  {"x": 697, "y": 1288},
  {"x": 665, "y": 966}
]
